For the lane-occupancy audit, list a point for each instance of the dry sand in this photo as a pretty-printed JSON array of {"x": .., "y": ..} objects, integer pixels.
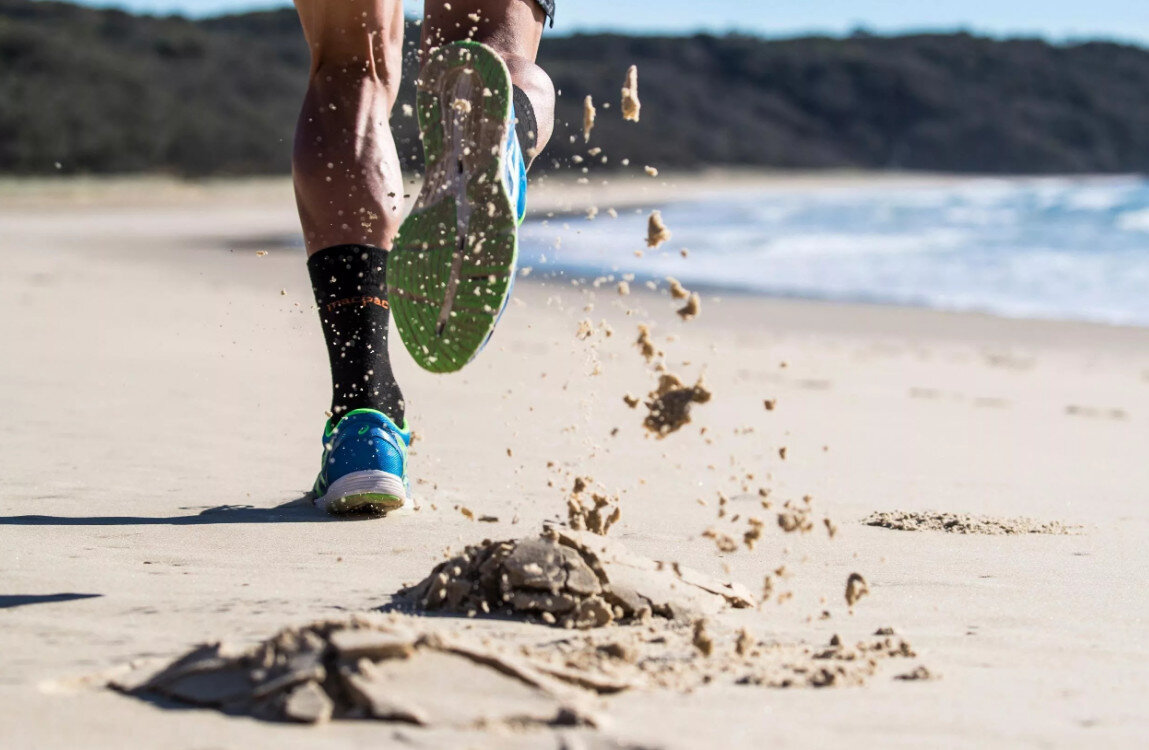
[{"x": 164, "y": 401}]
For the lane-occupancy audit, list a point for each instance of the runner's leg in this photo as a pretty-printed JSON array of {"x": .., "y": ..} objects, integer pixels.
[
  {"x": 347, "y": 181},
  {"x": 349, "y": 190}
]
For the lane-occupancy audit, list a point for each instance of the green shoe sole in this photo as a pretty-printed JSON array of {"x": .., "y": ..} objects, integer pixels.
[{"x": 451, "y": 266}]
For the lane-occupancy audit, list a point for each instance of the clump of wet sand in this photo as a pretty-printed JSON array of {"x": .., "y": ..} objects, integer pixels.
[
  {"x": 591, "y": 511},
  {"x": 646, "y": 344},
  {"x": 669, "y": 404},
  {"x": 409, "y": 670},
  {"x": 631, "y": 106},
  {"x": 588, "y": 115},
  {"x": 693, "y": 304},
  {"x": 965, "y": 523},
  {"x": 656, "y": 231},
  {"x": 856, "y": 588},
  {"x": 364, "y": 669},
  {"x": 570, "y": 579},
  {"x": 692, "y": 308}
]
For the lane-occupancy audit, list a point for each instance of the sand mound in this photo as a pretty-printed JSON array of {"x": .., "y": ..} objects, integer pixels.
[
  {"x": 360, "y": 669},
  {"x": 571, "y": 579},
  {"x": 964, "y": 523},
  {"x": 363, "y": 668}
]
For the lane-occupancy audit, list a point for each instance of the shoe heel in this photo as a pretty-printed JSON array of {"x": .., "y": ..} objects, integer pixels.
[{"x": 364, "y": 491}]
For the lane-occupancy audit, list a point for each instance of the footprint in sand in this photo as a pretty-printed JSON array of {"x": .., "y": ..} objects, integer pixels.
[{"x": 1093, "y": 412}]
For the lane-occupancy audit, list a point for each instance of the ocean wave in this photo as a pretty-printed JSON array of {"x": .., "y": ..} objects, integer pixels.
[{"x": 1026, "y": 247}]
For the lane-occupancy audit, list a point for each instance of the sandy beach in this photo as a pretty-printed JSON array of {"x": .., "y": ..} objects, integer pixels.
[{"x": 164, "y": 386}]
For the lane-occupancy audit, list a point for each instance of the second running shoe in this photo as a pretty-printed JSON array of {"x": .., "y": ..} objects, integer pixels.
[{"x": 452, "y": 265}]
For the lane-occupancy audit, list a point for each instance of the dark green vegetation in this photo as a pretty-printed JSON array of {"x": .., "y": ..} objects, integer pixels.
[{"x": 106, "y": 91}]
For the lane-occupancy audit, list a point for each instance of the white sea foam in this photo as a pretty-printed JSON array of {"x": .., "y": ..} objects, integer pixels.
[{"x": 1134, "y": 221}]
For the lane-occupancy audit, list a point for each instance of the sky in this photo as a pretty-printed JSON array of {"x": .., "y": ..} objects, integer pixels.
[{"x": 1059, "y": 20}]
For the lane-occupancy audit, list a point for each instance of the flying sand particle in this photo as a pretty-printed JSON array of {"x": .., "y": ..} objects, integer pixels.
[
  {"x": 596, "y": 519},
  {"x": 754, "y": 533},
  {"x": 744, "y": 643},
  {"x": 630, "y": 103},
  {"x": 646, "y": 344},
  {"x": 724, "y": 542},
  {"x": 702, "y": 640},
  {"x": 693, "y": 306},
  {"x": 795, "y": 519},
  {"x": 670, "y": 404},
  {"x": 856, "y": 588},
  {"x": 587, "y": 118},
  {"x": 918, "y": 673},
  {"x": 656, "y": 231}
]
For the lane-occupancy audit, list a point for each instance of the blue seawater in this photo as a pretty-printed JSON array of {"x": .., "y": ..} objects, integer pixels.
[{"x": 1061, "y": 248}]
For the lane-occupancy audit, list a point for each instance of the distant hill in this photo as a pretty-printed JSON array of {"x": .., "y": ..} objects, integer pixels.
[{"x": 103, "y": 91}]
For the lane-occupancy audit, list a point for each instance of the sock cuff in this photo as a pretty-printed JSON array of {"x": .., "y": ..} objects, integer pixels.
[{"x": 345, "y": 272}]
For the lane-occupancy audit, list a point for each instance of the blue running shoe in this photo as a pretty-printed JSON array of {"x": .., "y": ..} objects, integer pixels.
[
  {"x": 452, "y": 265},
  {"x": 364, "y": 464}
]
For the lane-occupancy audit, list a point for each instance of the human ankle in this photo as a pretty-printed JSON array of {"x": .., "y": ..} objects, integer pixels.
[{"x": 349, "y": 282}]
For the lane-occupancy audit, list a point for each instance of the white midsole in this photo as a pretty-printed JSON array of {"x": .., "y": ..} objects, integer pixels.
[{"x": 362, "y": 483}]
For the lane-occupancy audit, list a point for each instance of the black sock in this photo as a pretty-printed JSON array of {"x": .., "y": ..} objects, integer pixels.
[
  {"x": 350, "y": 288},
  {"x": 526, "y": 125}
]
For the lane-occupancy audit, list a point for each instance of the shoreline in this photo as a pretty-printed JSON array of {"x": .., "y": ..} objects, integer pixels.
[
  {"x": 253, "y": 214},
  {"x": 736, "y": 292}
]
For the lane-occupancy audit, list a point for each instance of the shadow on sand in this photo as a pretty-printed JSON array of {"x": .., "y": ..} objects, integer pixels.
[
  {"x": 8, "y": 601},
  {"x": 299, "y": 510}
]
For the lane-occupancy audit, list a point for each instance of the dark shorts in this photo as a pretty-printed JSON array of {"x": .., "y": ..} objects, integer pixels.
[{"x": 548, "y": 7}]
